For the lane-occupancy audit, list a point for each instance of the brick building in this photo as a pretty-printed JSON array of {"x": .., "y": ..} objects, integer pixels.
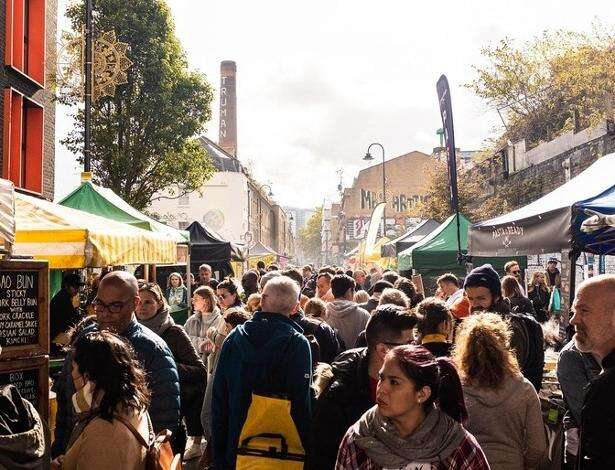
[
  {"x": 28, "y": 45},
  {"x": 405, "y": 186}
]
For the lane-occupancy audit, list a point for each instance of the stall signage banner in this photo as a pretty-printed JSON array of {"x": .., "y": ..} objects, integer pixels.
[{"x": 446, "y": 112}]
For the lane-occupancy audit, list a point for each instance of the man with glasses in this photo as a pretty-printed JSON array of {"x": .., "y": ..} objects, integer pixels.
[
  {"x": 513, "y": 269},
  {"x": 114, "y": 306},
  {"x": 352, "y": 388}
]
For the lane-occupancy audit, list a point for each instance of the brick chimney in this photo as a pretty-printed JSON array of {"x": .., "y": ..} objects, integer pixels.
[{"x": 228, "y": 107}]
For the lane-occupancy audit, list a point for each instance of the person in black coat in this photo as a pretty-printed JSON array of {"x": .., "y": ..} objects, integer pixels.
[
  {"x": 153, "y": 312},
  {"x": 519, "y": 303},
  {"x": 435, "y": 324},
  {"x": 351, "y": 390},
  {"x": 377, "y": 290},
  {"x": 594, "y": 324},
  {"x": 62, "y": 313}
]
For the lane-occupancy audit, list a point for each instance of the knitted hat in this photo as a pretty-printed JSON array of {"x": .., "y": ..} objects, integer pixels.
[{"x": 484, "y": 276}]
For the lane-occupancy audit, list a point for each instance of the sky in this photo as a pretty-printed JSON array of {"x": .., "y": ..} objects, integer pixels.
[{"x": 318, "y": 81}]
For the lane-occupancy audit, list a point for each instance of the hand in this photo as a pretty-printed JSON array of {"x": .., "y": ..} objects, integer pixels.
[
  {"x": 596, "y": 221},
  {"x": 56, "y": 464},
  {"x": 207, "y": 347},
  {"x": 211, "y": 332}
]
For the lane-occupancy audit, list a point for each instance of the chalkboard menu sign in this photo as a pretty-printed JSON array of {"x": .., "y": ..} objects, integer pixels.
[
  {"x": 24, "y": 311},
  {"x": 31, "y": 377}
]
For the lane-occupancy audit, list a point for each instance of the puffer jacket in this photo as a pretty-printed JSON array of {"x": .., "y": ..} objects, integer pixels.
[
  {"x": 342, "y": 402},
  {"x": 329, "y": 342},
  {"x": 157, "y": 360},
  {"x": 251, "y": 350},
  {"x": 22, "y": 435},
  {"x": 347, "y": 318}
]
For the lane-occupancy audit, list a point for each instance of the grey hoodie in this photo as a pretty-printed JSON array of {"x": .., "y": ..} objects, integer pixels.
[
  {"x": 348, "y": 319},
  {"x": 507, "y": 423}
]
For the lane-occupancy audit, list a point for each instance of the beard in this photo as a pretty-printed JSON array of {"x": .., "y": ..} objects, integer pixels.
[{"x": 478, "y": 309}]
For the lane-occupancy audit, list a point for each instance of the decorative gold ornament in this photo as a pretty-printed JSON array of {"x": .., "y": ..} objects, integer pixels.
[{"x": 109, "y": 67}]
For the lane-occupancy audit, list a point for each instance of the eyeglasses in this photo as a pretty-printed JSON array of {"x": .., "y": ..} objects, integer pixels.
[{"x": 113, "y": 307}]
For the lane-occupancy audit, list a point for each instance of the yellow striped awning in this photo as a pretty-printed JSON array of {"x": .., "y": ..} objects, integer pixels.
[{"x": 73, "y": 239}]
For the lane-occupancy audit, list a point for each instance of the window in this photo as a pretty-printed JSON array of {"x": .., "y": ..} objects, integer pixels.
[
  {"x": 25, "y": 38},
  {"x": 22, "y": 161}
]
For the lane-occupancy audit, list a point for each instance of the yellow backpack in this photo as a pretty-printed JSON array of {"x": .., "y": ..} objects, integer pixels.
[{"x": 269, "y": 438}]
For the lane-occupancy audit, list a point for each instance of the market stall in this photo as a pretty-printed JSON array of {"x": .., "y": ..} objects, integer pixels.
[
  {"x": 411, "y": 237},
  {"x": 260, "y": 252},
  {"x": 210, "y": 248},
  {"x": 71, "y": 239},
  {"x": 553, "y": 222},
  {"x": 436, "y": 254}
]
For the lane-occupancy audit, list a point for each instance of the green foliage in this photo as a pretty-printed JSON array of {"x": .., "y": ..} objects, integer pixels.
[
  {"x": 143, "y": 138},
  {"x": 543, "y": 86},
  {"x": 310, "y": 236}
]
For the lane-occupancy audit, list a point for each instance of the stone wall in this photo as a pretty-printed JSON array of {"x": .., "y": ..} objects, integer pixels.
[{"x": 548, "y": 175}]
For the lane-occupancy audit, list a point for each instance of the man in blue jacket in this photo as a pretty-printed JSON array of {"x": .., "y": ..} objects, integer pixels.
[
  {"x": 270, "y": 339},
  {"x": 115, "y": 304}
]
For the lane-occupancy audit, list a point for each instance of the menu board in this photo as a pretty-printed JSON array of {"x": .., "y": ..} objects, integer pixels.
[
  {"x": 24, "y": 314},
  {"x": 31, "y": 377}
]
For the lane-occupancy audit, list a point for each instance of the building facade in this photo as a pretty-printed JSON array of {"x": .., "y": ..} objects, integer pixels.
[
  {"x": 404, "y": 186},
  {"x": 28, "y": 47},
  {"x": 233, "y": 204}
]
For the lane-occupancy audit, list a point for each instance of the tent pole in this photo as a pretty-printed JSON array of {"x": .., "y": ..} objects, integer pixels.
[
  {"x": 188, "y": 283},
  {"x": 574, "y": 256}
]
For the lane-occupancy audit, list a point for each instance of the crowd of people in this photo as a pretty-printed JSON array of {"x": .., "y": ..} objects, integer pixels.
[{"x": 334, "y": 369}]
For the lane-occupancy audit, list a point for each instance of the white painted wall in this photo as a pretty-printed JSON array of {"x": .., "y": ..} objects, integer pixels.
[{"x": 223, "y": 206}]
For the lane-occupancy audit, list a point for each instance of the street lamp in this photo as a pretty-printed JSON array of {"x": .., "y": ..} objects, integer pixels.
[{"x": 368, "y": 157}]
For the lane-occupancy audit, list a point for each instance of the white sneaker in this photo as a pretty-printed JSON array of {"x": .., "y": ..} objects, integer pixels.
[{"x": 193, "y": 448}]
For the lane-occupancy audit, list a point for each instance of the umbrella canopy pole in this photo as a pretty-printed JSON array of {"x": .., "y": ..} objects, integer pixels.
[
  {"x": 188, "y": 283},
  {"x": 574, "y": 256}
]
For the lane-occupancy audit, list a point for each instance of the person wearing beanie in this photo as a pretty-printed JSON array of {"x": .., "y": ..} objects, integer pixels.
[{"x": 484, "y": 292}]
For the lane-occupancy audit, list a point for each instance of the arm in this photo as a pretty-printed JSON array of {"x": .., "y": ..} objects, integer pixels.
[
  {"x": 164, "y": 384},
  {"x": 573, "y": 380},
  {"x": 535, "y": 439},
  {"x": 220, "y": 412},
  {"x": 189, "y": 366},
  {"x": 298, "y": 381},
  {"x": 328, "y": 428}
]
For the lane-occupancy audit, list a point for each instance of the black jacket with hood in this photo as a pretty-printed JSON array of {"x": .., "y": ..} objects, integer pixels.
[
  {"x": 341, "y": 403},
  {"x": 23, "y": 444}
]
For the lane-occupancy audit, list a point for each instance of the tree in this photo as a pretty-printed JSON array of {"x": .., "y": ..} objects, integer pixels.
[
  {"x": 310, "y": 236},
  {"x": 552, "y": 84},
  {"x": 143, "y": 138}
]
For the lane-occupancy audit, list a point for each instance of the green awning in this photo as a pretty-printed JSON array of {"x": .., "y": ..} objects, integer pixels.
[
  {"x": 438, "y": 250},
  {"x": 105, "y": 203}
]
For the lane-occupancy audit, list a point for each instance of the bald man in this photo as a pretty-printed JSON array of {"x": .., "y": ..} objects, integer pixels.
[
  {"x": 594, "y": 324},
  {"x": 114, "y": 306}
]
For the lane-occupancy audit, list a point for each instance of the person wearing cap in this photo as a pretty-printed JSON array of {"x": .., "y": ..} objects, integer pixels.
[
  {"x": 554, "y": 278},
  {"x": 62, "y": 311},
  {"x": 484, "y": 292}
]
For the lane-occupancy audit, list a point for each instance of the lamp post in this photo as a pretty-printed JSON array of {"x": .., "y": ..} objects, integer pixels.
[
  {"x": 87, "y": 135},
  {"x": 368, "y": 157}
]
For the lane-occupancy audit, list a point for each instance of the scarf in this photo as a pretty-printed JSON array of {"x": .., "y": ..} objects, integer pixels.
[
  {"x": 85, "y": 410},
  {"x": 160, "y": 322},
  {"x": 433, "y": 338},
  {"x": 436, "y": 438}
]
